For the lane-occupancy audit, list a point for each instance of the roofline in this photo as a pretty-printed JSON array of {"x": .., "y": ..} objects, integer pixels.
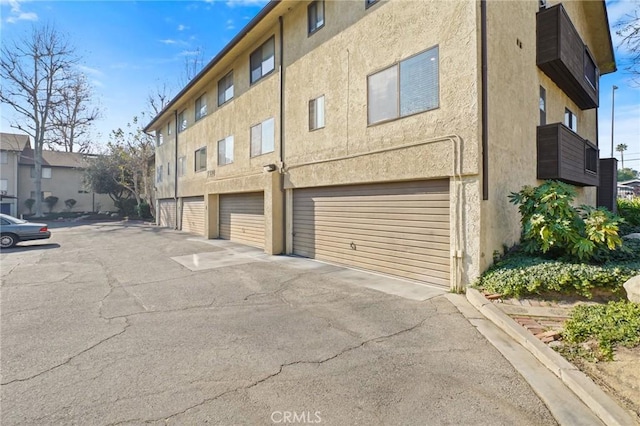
[
  {"x": 613, "y": 53},
  {"x": 251, "y": 25}
]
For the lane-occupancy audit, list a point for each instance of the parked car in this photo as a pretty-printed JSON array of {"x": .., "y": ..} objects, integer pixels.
[{"x": 13, "y": 230}]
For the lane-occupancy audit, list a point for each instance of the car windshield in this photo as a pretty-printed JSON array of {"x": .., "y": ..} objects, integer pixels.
[{"x": 13, "y": 219}]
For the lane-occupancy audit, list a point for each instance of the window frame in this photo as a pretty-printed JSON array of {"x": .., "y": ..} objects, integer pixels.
[
  {"x": 313, "y": 104},
  {"x": 223, "y": 80},
  {"x": 182, "y": 121},
  {"x": 591, "y": 155},
  {"x": 42, "y": 172},
  {"x": 4, "y": 183},
  {"x": 261, "y": 125},
  {"x": 199, "y": 113},
  {"x": 272, "y": 40},
  {"x": 4, "y": 157},
  {"x": 159, "y": 173},
  {"x": 312, "y": 29},
  {"x": 182, "y": 165},
  {"x": 369, "y": 3},
  {"x": 570, "y": 120},
  {"x": 225, "y": 142},
  {"x": 159, "y": 138},
  {"x": 542, "y": 106},
  {"x": 596, "y": 71},
  {"x": 198, "y": 154},
  {"x": 169, "y": 128},
  {"x": 397, "y": 65}
]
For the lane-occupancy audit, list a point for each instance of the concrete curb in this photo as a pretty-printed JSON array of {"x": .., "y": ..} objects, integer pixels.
[{"x": 591, "y": 394}]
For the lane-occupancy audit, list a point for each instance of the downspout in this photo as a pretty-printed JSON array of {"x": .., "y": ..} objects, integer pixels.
[
  {"x": 284, "y": 197},
  {"x": 485, "y": 101},
  {"x": 175, "y": 175}
]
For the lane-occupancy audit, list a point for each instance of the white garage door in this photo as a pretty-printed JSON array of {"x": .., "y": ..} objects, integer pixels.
[
  {"x": 399, "y": 228},
  {"x": 167, "y": 212},
  {"x": 193, "y": 215},
  {"x": 242, "y": 218}
]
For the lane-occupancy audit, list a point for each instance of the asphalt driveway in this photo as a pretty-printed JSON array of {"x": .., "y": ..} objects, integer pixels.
[{"x": 129, "y": 324}]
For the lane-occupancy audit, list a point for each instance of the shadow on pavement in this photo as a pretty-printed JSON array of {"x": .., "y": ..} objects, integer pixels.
[{"x": 32, "y": 247}]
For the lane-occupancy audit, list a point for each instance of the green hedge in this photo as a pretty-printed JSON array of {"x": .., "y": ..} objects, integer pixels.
[
  {"x": 629, "y": 210},
  {"x": 519, "y": 275}
]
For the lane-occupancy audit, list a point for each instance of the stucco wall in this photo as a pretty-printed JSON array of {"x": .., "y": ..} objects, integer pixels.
[
  {"x": 514, "y": 83},
  {"x": 9, "y": 171},
  {"x": 65, "y": 183}
]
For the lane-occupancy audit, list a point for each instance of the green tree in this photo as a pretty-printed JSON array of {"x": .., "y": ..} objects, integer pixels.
[
  {"x": 627, "y": 174},
  {"x": 51, "y": 201},
  {"x": 28, "y": 203},
  {"x": 621, "y": 148}
]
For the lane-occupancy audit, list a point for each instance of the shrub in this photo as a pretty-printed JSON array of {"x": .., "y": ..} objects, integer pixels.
[
  {"x": 51, "y": 201},
  {"x": 70, "y": 203},
  {"x": 616, "y": 323},
  {"x": 550, "y": 224},
  {"x": 520, "y": 274},
  {"x": 28, "y": 203},
  {"x": 629, "y": 210},
  {"x": 143, "y": 210},
  {"x": 126, "y": 206}
]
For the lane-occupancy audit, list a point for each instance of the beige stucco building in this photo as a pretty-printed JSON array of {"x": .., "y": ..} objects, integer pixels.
[
  {"x": 385, "y": 134},
  {"x": 62, "y": 177}
]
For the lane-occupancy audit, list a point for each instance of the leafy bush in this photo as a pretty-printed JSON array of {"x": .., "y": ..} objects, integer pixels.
[
  {"x": 616, "y": 323},
  {"x": 519, "y": 274},
  {"x": 126, "y": 206},
  {"x": 143, "y": 210},
  {"x": 70, "y": 203},
  {"x": 28, "y": 203},
  {"x": 550, "y": 224},
  {"x": 629, "y": 210},
  {"x": 51, "y": 201}
]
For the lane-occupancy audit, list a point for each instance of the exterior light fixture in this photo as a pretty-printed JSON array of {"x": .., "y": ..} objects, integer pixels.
[{"x": 269, "y": 168}]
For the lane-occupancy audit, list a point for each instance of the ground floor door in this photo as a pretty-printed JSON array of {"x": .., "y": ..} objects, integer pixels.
[
  {"x": 193, "y": 215},
  {"x": 167, "y": 213},
  {"x": 242, "y": 218}
]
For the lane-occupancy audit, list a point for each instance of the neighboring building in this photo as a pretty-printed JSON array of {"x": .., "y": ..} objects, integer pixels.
[
  {"x": 11, "y": 146},
  {"x": 385, "y": 136},
  {"x": 629, "y": 188},
  {"x": 62, "y": 176}
]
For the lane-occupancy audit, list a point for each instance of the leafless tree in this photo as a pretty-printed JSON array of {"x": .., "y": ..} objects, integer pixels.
[
  {"x": 158, "y": 99},
  {"x": 629, "y": 30},
  {"x": 33, "y": 72},
  {"x": 71, "y": 121},
  {"x": 193, "y": 63}
]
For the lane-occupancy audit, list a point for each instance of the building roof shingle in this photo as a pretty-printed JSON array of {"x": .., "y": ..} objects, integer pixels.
[{"x": 13, "y": 142}]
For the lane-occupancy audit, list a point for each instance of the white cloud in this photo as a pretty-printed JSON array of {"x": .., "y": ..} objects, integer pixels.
[
  {"x": 92, "y": 71},
  {"x": 230, "y": 25},
  {"x": 17, "y": 14},
  {"x": 168, "y": 41},
  {"x": 245, "y": 3},
  {"x": 190, "y": 52},
  {"x": 182, "y": 27}
]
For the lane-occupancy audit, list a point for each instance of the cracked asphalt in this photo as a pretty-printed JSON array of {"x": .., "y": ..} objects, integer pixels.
[{"x": 99, "y": 326}]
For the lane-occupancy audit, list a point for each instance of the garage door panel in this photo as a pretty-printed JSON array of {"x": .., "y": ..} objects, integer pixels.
[
  {"x": 242, "y": 218},
  {"x": 401, "y": 228},
  {"x": 167, "y": 213},
  {"x": 193, "y": 213}
]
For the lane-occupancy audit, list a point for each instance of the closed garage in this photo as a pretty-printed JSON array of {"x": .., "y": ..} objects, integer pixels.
[
  {"x": 193, "y": 215},
  {"x": 400, "y": 229},
  {"x": 167, "y": 212},
  {"x": 242, "y": 218}
]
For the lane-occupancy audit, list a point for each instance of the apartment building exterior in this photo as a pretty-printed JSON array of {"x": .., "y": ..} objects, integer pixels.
[
  {"x": 11, "y": 145},
  {"x": 386, "y": 135}
]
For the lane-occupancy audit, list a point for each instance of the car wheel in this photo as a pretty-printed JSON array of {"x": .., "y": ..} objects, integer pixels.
[{"x": 8, "y": 240}]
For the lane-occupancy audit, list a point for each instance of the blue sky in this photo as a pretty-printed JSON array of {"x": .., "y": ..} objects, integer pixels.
[{"x": 131, "y": 47}]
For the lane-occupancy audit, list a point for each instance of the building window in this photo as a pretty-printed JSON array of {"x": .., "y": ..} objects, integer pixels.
[
  {"x": 591, "y": 159},
  {"x": 225, "y": 88},
  {"x": 4, "y": 158},
  {"x": 315, "y": 15},
  {"x": 182, "y": 122},
  {"x": 4, "y": 185},
  {"x": 262, "y": 137},
  {"x": 201, "y": 159},
  {"x": 159, "y": 174},
  {"x": 159, "y": 138},
  {"x": 182, "y": 166},
  {"x": 543, "y": 106},
  {"x": 43, "y": 195},
  {"x": 403, "y": 89},
  {"x": 590, "y": 70},
  {"x": 368, "y": 3},
  {"x": 45, "y": 173},
  {"x": 225, "y": 151},
  {"x": 263, "y": 60},
  {"x": 570, "y": 120},
  {"x": 201, "y": 107},
  {"x": 316, "y": 113},
  {"x": 169, "y": 128},
  {"x": 168, "y": 169}
]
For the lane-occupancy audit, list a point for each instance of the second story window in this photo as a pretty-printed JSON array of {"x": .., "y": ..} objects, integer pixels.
[
  {"x": 403, "y": 89},
  {"x": 182, "y": 122},
  {"x": 159, "y": 174},
  {"x": 201, "y": 159},
  {"x": 201, "y": 107},
  {"x": 316, "y": 113},
  {"x": 4, "y": 158},
  {"x": 263, "y": 60},
  {"x": 45, "y": 174},
  {"x": 225, "y": 88},
  {"x": 159, "y": 138},
  {"x": 4, "y": 185},
  {"x": 181, "y": 165},
  {"x": 169, "y": 128},
  {"x": 315, "y": 15},
  {"x": 590, "y": 69},
  {"x": 570, "y": 120},
  {"x": 543, "y": 106},
  {"x": 225, "y": 151},
  {"x": 262, "y": 137}
]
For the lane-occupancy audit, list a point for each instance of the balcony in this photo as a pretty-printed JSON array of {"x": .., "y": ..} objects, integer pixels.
[
  {"x": 562, "y": 55},
  {"x": 565, "y": 156}
]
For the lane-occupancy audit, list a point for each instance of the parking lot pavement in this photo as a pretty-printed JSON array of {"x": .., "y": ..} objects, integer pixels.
[{"x": 129, "y": 324}]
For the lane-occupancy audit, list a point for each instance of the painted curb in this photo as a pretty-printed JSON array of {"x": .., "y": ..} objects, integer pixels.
[{"x": 591, "y": 394}]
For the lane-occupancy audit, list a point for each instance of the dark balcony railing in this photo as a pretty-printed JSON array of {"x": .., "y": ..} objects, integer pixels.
[
  {"x": 563, "y": 56},
  {"x": 565, "y": 156}
]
